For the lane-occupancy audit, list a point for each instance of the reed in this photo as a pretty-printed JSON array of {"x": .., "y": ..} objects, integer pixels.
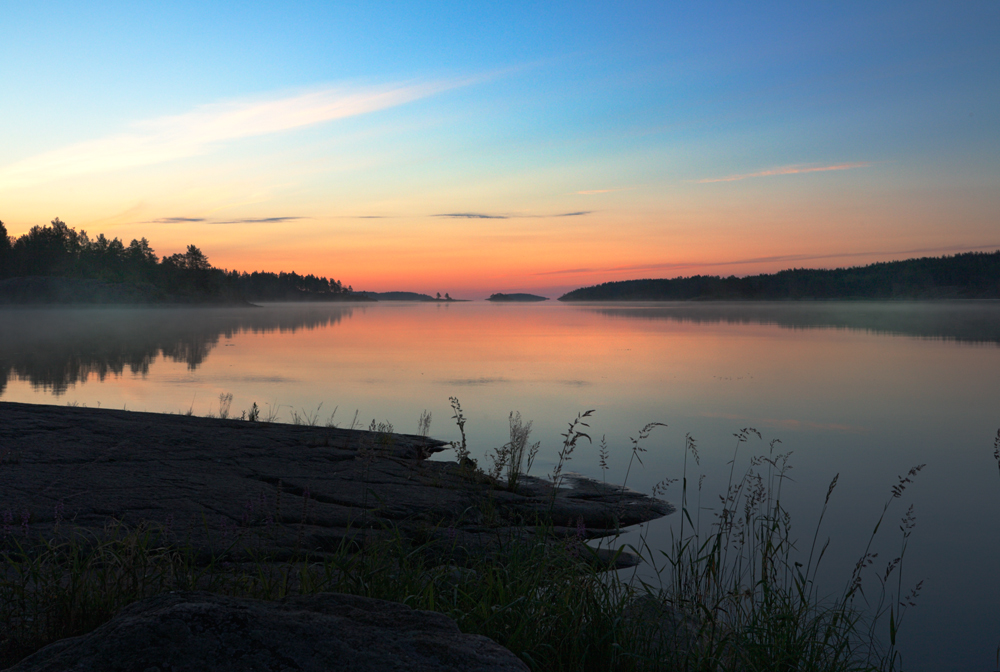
[
  {"x": 516, "y": 454},
  {"x": 742, "y": 595}
]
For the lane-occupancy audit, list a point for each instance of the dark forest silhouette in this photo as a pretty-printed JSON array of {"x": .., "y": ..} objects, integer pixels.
[
  {"x": 972, "y": 275},
  {"x": 56, "y": 263}
]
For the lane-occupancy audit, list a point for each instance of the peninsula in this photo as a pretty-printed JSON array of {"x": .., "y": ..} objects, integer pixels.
[
  {"x": 57, "y": 264},
  {"x": 309, "y": 488},
  {"x": 971, "y": 275}
]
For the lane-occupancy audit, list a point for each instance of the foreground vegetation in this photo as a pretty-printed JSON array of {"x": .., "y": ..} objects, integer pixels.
[{"x": 739, "y": 595}]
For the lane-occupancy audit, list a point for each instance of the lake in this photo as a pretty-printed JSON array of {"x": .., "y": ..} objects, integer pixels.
[{"x": 866, "y": 390}]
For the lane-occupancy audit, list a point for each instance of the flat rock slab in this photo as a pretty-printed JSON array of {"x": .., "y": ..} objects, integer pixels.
[
  {"x": 183, "y": 632},
  {"x": 293, "y": 487}
]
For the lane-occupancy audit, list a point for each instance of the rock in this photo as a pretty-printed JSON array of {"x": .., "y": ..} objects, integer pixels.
[
  {"x": 183, "y": 632},
  {"x": 289, "y": 489}
]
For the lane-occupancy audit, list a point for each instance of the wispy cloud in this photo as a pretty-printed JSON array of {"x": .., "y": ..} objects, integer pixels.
[
  {"x": 248, "y": 220},
  {"x": 789, "y": 258},
  {"x": 784, "y": 170},
  {"x": 261, "y": 220},
  {"x": 470, "y": 215},
  {"x": 480, "y": 215},
  {"x": 196, "y": 132}
]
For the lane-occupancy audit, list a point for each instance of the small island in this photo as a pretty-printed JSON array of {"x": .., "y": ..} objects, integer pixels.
[
  {"x": 409, "y": 296},
  {"x": 519, "y": 298},
  {"x": 396, "y": 296}
]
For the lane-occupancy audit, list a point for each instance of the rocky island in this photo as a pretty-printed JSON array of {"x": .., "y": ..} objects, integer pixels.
[{"x": 518, "y": 298}]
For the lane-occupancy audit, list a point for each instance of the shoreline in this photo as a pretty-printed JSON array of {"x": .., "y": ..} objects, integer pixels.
[{"x": 205, "y": 477}]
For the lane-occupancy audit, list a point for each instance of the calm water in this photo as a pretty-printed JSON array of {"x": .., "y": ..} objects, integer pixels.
[{"x": 863, "y": 390}]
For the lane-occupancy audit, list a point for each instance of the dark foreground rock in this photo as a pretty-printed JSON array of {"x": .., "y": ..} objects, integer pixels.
[
  {"x": 183, "y": 632},
  {"x": 289, "y": 489}
]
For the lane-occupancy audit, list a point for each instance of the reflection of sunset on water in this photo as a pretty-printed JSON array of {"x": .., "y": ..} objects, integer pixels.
[
  {"x": 865, "y": 391},
  {"x": 550, "y": 357}
]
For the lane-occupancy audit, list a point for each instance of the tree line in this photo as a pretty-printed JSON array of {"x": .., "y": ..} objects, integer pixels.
[
  {"x": 970, "y": 275},
  {"x": 59, "y": 250}
]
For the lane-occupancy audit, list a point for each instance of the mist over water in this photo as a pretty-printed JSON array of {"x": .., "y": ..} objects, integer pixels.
[{"x": 866, "y": 390}]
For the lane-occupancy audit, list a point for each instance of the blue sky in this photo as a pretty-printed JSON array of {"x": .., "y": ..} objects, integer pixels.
[{"x": 592, "y": 141}]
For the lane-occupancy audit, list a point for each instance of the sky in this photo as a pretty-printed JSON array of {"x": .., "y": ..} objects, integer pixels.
[{"x": 474, "y": 148}]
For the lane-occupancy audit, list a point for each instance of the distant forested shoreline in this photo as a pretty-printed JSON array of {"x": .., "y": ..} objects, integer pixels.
[
  {"x": 970, "y": 275},
  {"x": 57, "y": 264}
]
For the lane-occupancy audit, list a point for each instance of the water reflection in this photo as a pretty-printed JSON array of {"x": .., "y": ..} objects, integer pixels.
[
  {"x": 56, "y": 348},
  {"x": 966, "y": 322},
  {"x": 53, "y": 349},
  {"x": 865, "y": 390}
]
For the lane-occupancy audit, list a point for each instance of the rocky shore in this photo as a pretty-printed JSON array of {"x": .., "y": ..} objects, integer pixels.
[
  {"x": 274, "y": 492},
  {"x": 296, "y": 488}
]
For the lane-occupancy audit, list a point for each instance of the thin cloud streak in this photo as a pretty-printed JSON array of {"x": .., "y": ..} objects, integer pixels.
[
  {"x": 763, "y": 260},
  {"x": 261, "y": 220},
  {"x": 175, "y": 220},
  {"x": 194, "y": 133},
  {"x": 469, "y": 215},
  {"x": 785, "y": 170}
]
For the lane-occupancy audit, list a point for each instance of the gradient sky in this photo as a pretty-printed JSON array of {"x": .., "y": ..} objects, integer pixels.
[{"x": 515, "y": 147}]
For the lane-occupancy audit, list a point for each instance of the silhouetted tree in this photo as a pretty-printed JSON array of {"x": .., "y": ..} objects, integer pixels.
[
  {"x": 5, "y": 251},
  {"x": 192, "y": 260},
  {"x": 47, "y": 250},
  {"x": 59, "y": 250}
]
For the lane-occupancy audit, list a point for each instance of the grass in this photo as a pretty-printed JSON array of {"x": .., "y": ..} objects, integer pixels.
[
  {"x": 732, "y": 593},
  {"x": 748, "y": 599},
  {"x": 509, "y": 459},
  {"x": 531, "y": 602}
]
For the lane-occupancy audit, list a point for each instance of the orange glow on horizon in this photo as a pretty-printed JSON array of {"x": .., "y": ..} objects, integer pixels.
[{"x": 472, "y": 258}]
